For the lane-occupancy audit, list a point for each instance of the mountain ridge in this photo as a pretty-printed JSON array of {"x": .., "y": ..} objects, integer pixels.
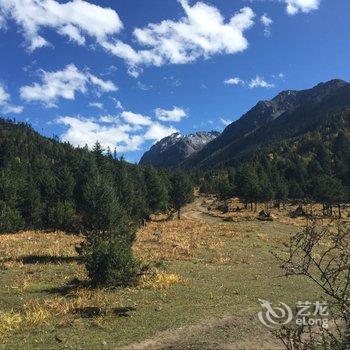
[
  {"x": 176, "y": 148},
  {"x": 288, "y": 114}
]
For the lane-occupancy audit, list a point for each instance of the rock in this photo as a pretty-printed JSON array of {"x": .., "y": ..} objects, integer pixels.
[
  {"x": 265, "y": 216},
  {"x": 298, "y": 212}
]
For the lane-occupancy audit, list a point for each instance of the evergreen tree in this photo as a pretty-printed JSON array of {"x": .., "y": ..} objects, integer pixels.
[
  {"x": 329, "y": 191},
  {"x": 157, "y": 193},
  {"x": 107, "y": 249},
  {"x": 247, "y": 184},
  {"x": 181, "y": 191}
]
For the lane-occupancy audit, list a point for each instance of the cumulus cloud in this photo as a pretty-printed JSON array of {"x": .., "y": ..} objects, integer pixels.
[
  {"x": 233, "y": 81},
  {"x": 305, "y": 6},
  {"x": 76, "y": 19},
  {"x": 98, "y": 105},
  {"x": 267, "y": 22},
  {"x": 158, "y": 131},
  {"x": 202, "y": 32},
  {"x": 174, "y": 115},
  {"x": 63, "y": 84},
  {"x": 257, "y": 82},
  {"x": 5, "y": 103},
  {"x": 123, "y": 132},
  {"x": 83, "y": 132},
  {"x": 136, "y": 119},
  {"x": 119, "y": 105}
]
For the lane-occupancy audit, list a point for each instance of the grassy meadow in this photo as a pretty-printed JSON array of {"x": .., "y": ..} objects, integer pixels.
[{"x": 206, "y": 278}]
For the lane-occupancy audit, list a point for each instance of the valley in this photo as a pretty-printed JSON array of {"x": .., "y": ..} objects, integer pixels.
[{"x": 207, "y": 277}]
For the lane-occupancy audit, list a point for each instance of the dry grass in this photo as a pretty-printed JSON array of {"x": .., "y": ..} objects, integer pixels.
[
  {"x": 9, "y": 323},
  {"x": 282, "y": 215},
  {"x": 191, "y": 249},
  {"x": 31, "y": 243},
  {"x": 173, "y": 240},
  {"x": 161, "y": 280}
]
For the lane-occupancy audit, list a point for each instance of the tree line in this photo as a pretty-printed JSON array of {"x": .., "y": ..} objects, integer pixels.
[
  {"x": 315, "y": 167},
  {"x": 49, "y": 185}
]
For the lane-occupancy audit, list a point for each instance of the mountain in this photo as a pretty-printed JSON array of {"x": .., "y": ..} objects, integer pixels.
[
  {"x": 174, "y": 149},
  {"x": 288, "y": 115}
]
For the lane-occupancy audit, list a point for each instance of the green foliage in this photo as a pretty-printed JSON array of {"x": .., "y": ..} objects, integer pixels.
[
  {"x": 247, "y": 183},
  {"x": 315, "y": 166},
  {"x": 10, "y": 219},
  {"x": 109, "y": 260},
  {"x": 61, "y": 216},
  {"x": 109, "y": 235},
  {"x": 181, "y": 191},
  {"x": 157, "y": 190},
  {"x": 51, "y": 185}
]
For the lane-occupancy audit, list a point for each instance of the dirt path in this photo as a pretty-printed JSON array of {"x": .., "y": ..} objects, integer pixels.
[
  {"x": 221, "y": 333},
  {"x": 227, "y": 332},
  {"x": 197, "y": 211}
]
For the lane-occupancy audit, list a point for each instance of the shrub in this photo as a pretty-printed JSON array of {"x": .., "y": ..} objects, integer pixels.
[
  {"x": 109, "y": 260},
  {"x": 323, "y": 257}
]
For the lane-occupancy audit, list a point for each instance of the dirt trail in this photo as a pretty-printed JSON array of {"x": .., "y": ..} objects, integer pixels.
[
  {"x": 227, "y": 332},
  {"x": 221, "y": 333},
  {"x": 197, "y": 211}
]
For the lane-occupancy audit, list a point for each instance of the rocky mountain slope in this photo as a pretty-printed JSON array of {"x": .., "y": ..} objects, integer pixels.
[
  {"x": 174, "y": 149},
  {"x": 289, "y": 114}
]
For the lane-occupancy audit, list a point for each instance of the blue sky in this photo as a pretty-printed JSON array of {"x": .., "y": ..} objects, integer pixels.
[{"x": 130, "y": 72}]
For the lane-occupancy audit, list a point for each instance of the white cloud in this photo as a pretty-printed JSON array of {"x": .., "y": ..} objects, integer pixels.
[
  {"x": 225, "y": 121},
  {"x": 143, "y": 87},
  {"x": 135, "y": 119},
  {"x": 118, "y": 104},
  {"x": 104, "y": 85},
  {"x": 267, "y": 22},
  {"x": 158, "y": 131},
  {"x": 63, "y": 84},
  {"x": 174, "y": 115},
  {"x": 305, "y": 6},
  {"x": 108, "y": 119},
  {"x": 202, "y": 32},
  {"x": 2, "y": 22},
  {"x": 98, "y": 105},
  {"x": 259, "y": 82},
  {"x": 280, "y": 76},
  {"x": 4, "y": 96},
  {"x": 5, "y": 103},
  {"x": 112, "y": 131},
  {"x": 234, "y": 81},
  {"x": 83, "y": 132},
  {"x": 76, "y": 19}
]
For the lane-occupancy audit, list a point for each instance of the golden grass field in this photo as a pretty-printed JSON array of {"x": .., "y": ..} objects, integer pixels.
[{"x": 203, "y": 293}]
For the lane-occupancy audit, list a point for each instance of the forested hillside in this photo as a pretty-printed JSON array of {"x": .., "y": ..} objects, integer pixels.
[
  {"x": 46, "y": 184},
  {"x": 313, "y": 166},
  {"x": 289, "y": 115}
]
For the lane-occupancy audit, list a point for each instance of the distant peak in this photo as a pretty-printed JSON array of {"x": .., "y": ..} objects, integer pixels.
[{"x": 174, "y": 149}]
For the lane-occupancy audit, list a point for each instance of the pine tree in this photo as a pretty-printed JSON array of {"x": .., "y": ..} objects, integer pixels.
[
  {"x": 157, "y": 193},
  {"x": 181, "y": 191},
  {"x": 247, "y": 184},
  {"x": 107, "y": 249}
]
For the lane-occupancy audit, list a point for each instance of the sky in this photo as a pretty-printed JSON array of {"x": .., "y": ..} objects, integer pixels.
[{"x": 130, "y": 72}]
